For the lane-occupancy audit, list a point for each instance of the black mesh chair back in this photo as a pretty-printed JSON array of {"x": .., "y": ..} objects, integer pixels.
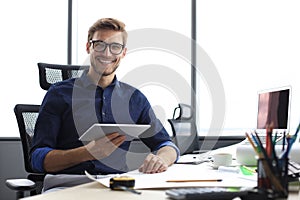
[
  {"x": 26, "y": 115},
  {"x": 52, "y": 73},
  {"x": 184, "y": 129},
  {"x": 26, "y": 118}
]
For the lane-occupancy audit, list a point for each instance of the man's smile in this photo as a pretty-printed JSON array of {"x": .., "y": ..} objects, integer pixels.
[{"x": 106, "y": 61}]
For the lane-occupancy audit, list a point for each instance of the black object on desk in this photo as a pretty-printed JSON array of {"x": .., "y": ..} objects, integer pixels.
[
  {"x": 204, "y": 193},
  {"x": 215, "y": 193}
]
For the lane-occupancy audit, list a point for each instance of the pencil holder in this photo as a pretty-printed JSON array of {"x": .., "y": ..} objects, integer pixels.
[{"x": 272, "y": 177}]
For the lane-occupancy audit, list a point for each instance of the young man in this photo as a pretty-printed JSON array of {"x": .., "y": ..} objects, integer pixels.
[{"x": 72, "y": 106}]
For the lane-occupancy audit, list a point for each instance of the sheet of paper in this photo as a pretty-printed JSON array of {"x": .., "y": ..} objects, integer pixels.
[
  {"x": 187, "y": 172},
  {"x": 195, "y": 158}
]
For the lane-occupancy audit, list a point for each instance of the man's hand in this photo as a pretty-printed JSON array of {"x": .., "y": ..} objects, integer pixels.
[
  {"x": 57, "y": 160},
  {"x": 153, "y": 164},
  {"x": 165, "y": 157},
  {"x": 104, "y": 146}
]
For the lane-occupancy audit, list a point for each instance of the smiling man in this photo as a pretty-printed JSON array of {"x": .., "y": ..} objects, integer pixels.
[{"x": 70, "y": 107}]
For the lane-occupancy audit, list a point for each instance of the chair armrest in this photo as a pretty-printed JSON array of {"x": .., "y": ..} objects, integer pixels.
[{"x": 20, "y": 184}]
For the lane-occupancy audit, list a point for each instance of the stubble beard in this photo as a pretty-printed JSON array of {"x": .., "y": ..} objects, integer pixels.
[{"x": 104, "y": 72}]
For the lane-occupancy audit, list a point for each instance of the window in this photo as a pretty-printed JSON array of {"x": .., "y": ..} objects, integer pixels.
[
  {"x": 255, "y": 45},
  {"x": 32, "y": 31},
  {"x": 156, "y": 61}
]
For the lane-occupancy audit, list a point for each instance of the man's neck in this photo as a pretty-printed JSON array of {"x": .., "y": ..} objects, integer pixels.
[
  {"x": 102, "y": 81},
  {"x": 105, "y": 81}
]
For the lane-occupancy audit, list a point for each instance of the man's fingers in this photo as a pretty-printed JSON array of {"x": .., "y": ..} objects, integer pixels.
[
  {"x": 146, "y": 163},
  {"x": 153, "y": 164},
  {"x": 157, "y": 166},
  {"x": 150, "y": 165},
  {"x": 117, "y": 141},
  {"x": 112, "y": 135},
  {"x": 104, "y": 146},
  {"x": 114, "y": 138}
]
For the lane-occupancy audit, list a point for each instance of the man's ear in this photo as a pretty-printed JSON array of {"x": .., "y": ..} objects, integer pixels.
[
  {"x": 87, "y": 47},
  {"x": 124, "y": 52}
]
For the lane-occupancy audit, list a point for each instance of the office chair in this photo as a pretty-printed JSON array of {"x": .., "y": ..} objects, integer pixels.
[
  {"x": 184, "y": 129},
  {"x": 26, "y": 116},
  {"x": 52, "y": 73}
]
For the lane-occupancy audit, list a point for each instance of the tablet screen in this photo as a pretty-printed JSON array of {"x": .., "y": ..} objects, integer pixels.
[{"x": 97, "y": 131}]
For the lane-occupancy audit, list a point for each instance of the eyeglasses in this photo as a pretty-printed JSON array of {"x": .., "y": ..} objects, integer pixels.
[{"x": 100, "y": 46}]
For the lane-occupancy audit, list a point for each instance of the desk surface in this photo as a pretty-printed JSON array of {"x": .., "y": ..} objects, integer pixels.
[{"x": 95, "y": 190}]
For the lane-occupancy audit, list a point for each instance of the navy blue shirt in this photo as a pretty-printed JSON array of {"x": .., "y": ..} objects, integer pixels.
[{"x": 70, "y": 107}]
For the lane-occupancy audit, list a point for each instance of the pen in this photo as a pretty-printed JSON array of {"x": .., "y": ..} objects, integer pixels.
[
  {"x": 262, "y": 150},
  {"x": 269, "y": 145},
  {"x": 283, "y": 140},
  {"x": 194, "y": 180},
  {"x": 290, "y": 141},
  {"x": 275, "y": 138},
  {"x": 266, "y": 162}
]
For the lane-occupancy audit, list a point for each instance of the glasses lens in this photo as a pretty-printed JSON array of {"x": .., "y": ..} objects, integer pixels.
[
  {"x": 99, "y": 46},
  {"x": 115, "y": 48}
]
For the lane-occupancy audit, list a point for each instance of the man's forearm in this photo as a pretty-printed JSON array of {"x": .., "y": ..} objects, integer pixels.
[
  {"x": 168, "y": 154},
  {"x": 57, "y": 160}
]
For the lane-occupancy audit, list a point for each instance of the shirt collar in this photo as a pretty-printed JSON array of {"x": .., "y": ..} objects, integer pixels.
[{"x": 87, "y": 82}]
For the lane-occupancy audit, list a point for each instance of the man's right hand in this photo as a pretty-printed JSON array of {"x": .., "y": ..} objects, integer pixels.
[
  {"x": 104, "y": 146},
  {"x": 57, "y": 160}
]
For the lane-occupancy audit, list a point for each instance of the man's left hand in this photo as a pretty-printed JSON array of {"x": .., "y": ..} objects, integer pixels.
[{"x": 153, "y": 164}]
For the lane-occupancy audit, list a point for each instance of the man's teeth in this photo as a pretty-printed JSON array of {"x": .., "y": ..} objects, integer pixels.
[{"x": 106, "y": 61}]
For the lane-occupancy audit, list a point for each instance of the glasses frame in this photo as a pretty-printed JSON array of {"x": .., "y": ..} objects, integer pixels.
[{"x": 107, "y": 44}]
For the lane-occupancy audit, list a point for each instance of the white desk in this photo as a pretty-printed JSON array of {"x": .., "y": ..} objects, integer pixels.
[{"x": 96, "y": 191}]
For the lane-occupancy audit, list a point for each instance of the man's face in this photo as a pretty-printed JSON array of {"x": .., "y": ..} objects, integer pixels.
[{"x": 105, "y": 62}]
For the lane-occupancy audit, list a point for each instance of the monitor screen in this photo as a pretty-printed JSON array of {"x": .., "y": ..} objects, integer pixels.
[{"x": 273, "y": 108}]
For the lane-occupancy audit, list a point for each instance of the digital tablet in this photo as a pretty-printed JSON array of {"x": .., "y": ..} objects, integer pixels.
[{"x": 97, "y": 131}]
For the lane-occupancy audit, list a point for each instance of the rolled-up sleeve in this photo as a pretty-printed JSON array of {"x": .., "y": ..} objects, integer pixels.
[
  {"x": 46, "y": 130},
  {"x": 38, "y": 157}
]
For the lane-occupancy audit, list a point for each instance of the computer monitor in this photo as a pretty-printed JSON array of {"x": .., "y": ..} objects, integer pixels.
[{"x": 274, "y": 109}]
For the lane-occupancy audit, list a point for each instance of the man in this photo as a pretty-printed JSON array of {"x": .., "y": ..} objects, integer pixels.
[{"x": 72, "y": 106}]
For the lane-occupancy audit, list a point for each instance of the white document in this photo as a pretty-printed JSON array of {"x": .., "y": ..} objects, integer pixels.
[
  {"x": 187, "y": 172},
  {"x": 195, "y": 158},
  {"x": 97, "y": 131}
]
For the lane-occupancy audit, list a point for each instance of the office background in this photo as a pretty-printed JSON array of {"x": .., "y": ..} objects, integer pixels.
[{"x": 254, "y": 45}]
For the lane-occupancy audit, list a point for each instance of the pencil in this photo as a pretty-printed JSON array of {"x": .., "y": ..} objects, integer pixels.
[
  {"x": 194, "y": 180},
  {"x": 252, "y": 143}
]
